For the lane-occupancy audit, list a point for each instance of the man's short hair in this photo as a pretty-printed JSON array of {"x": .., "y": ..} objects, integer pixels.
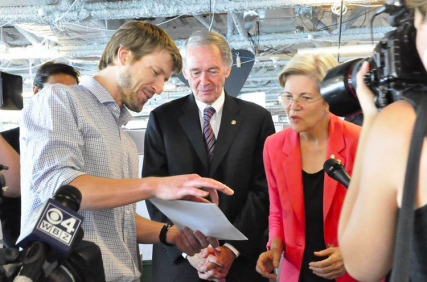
[
  {"x": 141, "y": 39},
  {"x": 51, "y": 68},
  {"x": 208, "y": 38}
]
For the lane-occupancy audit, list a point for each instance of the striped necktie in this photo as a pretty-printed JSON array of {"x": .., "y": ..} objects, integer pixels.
[{"x": 208, "y": 132}]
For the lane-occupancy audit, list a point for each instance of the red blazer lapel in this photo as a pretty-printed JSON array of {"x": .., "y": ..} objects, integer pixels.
[
  {"x": 292, "y": 169},
  {"x": 336, "y": 145}
]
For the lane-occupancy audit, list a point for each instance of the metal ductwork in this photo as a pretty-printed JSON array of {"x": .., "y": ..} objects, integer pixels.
[{"x": 145, "y": 9}]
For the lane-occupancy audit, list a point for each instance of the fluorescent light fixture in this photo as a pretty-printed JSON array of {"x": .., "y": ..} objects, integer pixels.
[
  {"x": 275, "y": 118},
  {"x": 364, "y": 49},
  {"x": 4, "y": 46},
  {"x": 28, "y": 53},
  {"x": 169, "y": 87},
  {"x": 27, "y": 94},
  {"x": 256, "y": 97}
]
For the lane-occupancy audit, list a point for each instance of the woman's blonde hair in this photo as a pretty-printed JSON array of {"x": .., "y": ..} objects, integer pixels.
[
  {"x": 421, "y": 5},
  {"x": 314, "y": 65}
]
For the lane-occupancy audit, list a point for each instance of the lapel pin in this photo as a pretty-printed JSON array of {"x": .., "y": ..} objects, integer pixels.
[{"x": 233, "y": 122}]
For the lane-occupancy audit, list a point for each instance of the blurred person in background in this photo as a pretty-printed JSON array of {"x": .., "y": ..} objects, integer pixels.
[
  {"x": 367, "y": 231},
  {"x": 10, "y": 208},
  {"x": 52, "y": 73}
]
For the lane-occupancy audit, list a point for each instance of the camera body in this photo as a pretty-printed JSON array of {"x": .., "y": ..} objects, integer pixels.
[
  {"x": 396, "y": 70},
  {"x": 52, "y": 246},
  {"x": 11, "y": 92},
  {"x": 84, "y": 264}
]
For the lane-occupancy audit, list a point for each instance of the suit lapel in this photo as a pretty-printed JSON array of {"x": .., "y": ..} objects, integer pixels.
[
  {"x": 190, "y": 122},
  {"x": 230, "y": 125},
  {"x": 293, "y": 175},
  {"x": 336, "y": 145}
]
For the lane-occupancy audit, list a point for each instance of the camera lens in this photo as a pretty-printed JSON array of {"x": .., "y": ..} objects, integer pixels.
[{"x": 338, "y": 88}]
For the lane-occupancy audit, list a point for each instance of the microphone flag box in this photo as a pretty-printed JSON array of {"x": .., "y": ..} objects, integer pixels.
[{"x": 54, "y": 224}]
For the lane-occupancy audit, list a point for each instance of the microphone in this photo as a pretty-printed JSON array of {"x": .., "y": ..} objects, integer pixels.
[
  {"x": 56, "y": 222},
  {"x": 52, "y": 232},
  {"x": 335, "y": 170}
]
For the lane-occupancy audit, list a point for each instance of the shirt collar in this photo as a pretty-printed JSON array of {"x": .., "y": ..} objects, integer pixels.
[
  {"x": 97, "y": 89},
  {"x": 217, "y": 105},
  {"x": 104, "y": 97}
]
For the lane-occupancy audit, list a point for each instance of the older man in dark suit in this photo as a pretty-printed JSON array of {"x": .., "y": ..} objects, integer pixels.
[{"x": 212, "y": 134}]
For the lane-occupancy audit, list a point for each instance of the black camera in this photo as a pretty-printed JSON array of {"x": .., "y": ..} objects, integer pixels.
[
  {"x": 52, "y": 246},
  {"x": 84, "y": 264},
  {"x": 10, "y": 92},
  {"x": 396, "y": 70}
]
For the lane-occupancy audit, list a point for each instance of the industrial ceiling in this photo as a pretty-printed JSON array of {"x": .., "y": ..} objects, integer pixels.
[{"x": 76, "y": 31}]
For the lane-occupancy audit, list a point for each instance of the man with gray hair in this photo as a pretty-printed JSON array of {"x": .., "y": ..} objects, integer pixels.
[{"x": 212, "y": 134}]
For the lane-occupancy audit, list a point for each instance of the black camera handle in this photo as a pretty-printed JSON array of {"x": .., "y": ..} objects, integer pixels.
[{"x": 34, "y": 258}]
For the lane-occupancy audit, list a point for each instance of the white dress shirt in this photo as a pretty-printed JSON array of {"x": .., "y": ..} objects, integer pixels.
[{"x": 218, "y": 105}]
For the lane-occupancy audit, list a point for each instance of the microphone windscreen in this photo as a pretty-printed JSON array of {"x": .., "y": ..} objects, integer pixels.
[
  {"x": 329, "y": 165},
  {"x": 69, "y": 196}
]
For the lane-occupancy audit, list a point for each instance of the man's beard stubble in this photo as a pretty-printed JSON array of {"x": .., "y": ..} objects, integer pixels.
[{"x": 126, "y": 95}]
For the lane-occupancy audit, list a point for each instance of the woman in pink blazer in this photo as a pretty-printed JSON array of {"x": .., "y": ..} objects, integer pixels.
[{"x": 305, "y": 204}]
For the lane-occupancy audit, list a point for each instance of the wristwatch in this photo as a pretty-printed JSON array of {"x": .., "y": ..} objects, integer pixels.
[{"x": 162, "y": 235}]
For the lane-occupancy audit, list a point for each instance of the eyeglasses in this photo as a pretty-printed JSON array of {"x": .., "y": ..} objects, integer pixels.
[{"x": 288, "y": 99}]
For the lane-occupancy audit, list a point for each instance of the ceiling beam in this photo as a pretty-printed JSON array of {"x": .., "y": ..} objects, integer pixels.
[
  {"x": 243, "y": 32},
  {"x": 276, "y": 40},
  {"x": 205, "y": 23},
  {"x": 147, "y": 9},
  {"x": 279, "y": 41},
  {"x": 14, "y": 3}
]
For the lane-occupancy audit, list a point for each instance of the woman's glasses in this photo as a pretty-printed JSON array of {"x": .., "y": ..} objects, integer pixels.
[{"x": 288, "y": 99}]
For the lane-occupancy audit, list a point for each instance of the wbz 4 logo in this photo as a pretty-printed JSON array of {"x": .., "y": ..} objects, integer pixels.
[{"x": 59, "y": 223}]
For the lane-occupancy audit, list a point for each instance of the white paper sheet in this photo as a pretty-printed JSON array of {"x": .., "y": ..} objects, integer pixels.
[{"x": 207, "y": 218}]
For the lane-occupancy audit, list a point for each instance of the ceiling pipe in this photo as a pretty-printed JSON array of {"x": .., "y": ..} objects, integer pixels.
[
  {"x": 230, "y": 25},
  {"x": 205, "y": 23},
  {"x": 29, "y": 36},
  {"x": 279, "y": 40},
  {"x": 275, "y": 40},
  {"x": 240, "y": 26},
  {"x": 353, "y": 17},
  {"x": 317, "y": 23}
]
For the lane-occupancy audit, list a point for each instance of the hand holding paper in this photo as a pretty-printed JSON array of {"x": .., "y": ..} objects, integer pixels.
[{"x": 207, "y": 218}]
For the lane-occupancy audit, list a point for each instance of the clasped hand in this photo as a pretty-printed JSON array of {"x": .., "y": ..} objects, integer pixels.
[
  {"x": 188, "y": 241},
  {"x": 212, "y": 263},
  {"x": 331, "y": 267}
]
